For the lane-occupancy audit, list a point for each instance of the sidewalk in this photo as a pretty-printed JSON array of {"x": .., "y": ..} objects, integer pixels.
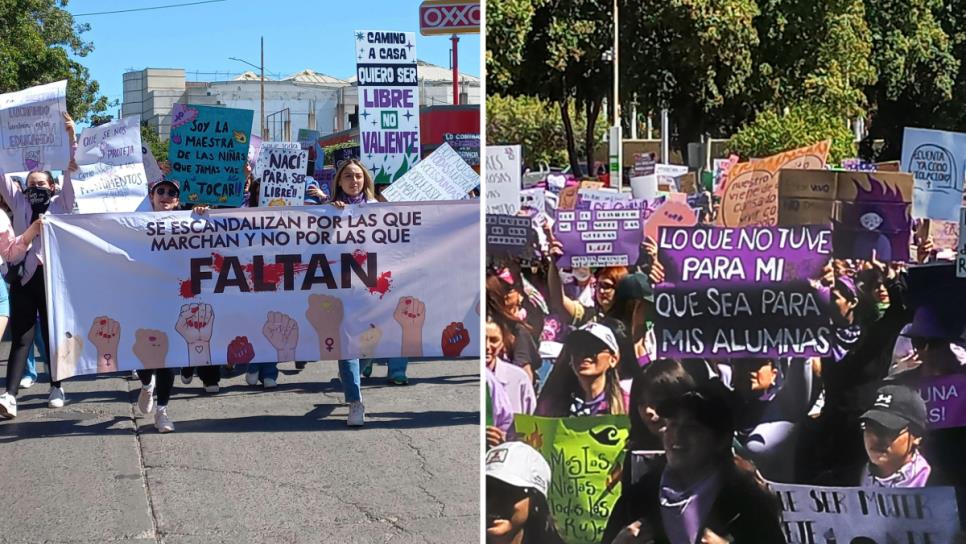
[{"x": 248, "y": 465}]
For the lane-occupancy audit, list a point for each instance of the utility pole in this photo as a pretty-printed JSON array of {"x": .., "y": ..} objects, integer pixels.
[
  {"x": 615, "y": 129},
  {"x": 264, "y": 128}
]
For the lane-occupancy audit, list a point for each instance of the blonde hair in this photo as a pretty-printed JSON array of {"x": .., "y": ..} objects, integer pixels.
[{"x": 368, "y": 187}]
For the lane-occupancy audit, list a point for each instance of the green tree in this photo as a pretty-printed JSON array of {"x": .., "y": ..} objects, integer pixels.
[
  {"x": 508, "y": 23},
  {"x": 802, "y": 124},
  {"x": 536, "y": 125},
  {"x": 150, "y": 138}
]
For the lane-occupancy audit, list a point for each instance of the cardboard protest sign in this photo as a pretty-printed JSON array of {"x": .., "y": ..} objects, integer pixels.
[
  {"x": 644, "y": 186},
  {"x": 599, "y": 237},
  {"x": 590, "y": 184},
  {"x": 282, "y": 175},
  {"x": 944, "y": 234},
  {"x": 567, "y": 199},
  {"x": 688, "y": 183},
  {"x": 936, "y": 160},
  {"x": 669, "y": 175},
  {"x": 945, "y": 398},
  {"x": 388, "y": 102},
  {"x": 858, "y": 165},
  {"x": 503, "y": 179},
  {"x": 335, "y": 284},
  {"x": 599, "y": 198},
  {"x": 32, "y": 133},
  {"x": 644, "y": 164},
  {"x": 110, "y": 177},
  {"x": 742, "y": 292},
  {"x": 669, "y": 213},
  {"x": 466, "y": 145},
  {"x": 342, "y": 155},
  {"x": 873, "y": 515},
  {"x": 208, "y": 151},
  {"x": 585, "y": 455},
  {"x": 750, "y": 196},
  {"x": 509, "y": 236},
  {"x": 443, "y": 175},
  {"x": 720, "y": 168},
  {"x": 961, "y": 246}
]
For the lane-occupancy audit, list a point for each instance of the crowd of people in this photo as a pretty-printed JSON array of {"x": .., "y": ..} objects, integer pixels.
[
  {"x": 568, "y": 342},
  {"x": 23, "y": 302}
]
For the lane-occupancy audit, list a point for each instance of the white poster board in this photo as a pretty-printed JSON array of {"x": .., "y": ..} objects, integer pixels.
[
  {"x": 503, "y": 179},
  {"x": 443, "y": 175},
  {"x": 32, "y": 133},
  {"x": 111, "y": 176},
  {"x": 936, "y": 160},
  {"x": 282, "y": 171}
]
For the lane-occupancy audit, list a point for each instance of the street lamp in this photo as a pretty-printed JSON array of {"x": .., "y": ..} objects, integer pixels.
[{"x": 261, "y": 68}]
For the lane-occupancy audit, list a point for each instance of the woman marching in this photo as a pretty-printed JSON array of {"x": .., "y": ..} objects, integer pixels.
[{"x": 27, "y": 292}]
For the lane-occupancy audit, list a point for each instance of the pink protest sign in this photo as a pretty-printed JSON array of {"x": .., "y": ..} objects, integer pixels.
[{"x": 673, "y": 213}]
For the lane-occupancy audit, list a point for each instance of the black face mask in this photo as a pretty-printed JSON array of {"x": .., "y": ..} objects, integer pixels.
[{"x": 39, "y": 199}]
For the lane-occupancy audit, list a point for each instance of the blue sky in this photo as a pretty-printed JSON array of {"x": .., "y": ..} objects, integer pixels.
[{"x": 299, "y": 34}]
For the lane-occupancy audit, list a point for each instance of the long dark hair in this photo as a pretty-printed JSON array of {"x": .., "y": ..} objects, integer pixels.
[
  {"x": 554, "y": 399},
  {"x": 667, "y": 376},
  {"x": 540, "y": 527}
]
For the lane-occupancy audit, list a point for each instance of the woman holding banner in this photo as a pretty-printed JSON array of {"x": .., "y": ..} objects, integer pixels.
[{"x": 26, "y": 275}]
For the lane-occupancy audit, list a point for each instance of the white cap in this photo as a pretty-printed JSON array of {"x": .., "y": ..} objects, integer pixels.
[
  {"x": 598, "y": 331},
  {"x": 519, "y": 465}
]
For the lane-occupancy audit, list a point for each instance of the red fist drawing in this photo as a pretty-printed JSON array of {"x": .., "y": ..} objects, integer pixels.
[
  {"x": 455, "y": 338},
  {"x": 240, "y": 351}
]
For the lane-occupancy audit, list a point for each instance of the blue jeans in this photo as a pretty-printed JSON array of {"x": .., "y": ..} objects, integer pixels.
[
  {"x": 31, "y": 369},
  {"x": 265, "y": 370},
  {"x": 351, "y": 380},
  {"x": 397, "y": 366}
]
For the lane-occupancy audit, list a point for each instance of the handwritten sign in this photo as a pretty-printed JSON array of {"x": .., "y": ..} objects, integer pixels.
[
  {"x": 936, "y": 159},
  {"x": 208, "y": 151},
  {"x": 342, "y": 155},
  {"x": 443, "y": 175},
  {"x": 742, "y": 292},
  {"x": 502, "y": 179},
  {"x": 875, "y": 515},
  {"x": 388, "y": 102},
  {"x": 282, "y": 174},
  {"x": 750, "y": 196},
  {"x": 669, "y": 213},
  {"x": 111, "y": 176},
  {"x": 586, "y": 456},
  {"x": 588, "y": 199},
  {"x": 32, "y": 133},
  {"x": 467, "y": 145},
  {"x": 643, "y": 164},
  {"x": 509, "y": 236},
  {"x": 945, "y": 398},
  {"x": 599, "y": 237}
]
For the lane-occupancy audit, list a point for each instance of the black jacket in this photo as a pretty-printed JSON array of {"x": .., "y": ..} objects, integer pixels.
[{"x": 743, "y": 511}]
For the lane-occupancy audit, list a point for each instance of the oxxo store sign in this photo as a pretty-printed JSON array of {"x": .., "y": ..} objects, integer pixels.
[{"x": 449, "y": 17}]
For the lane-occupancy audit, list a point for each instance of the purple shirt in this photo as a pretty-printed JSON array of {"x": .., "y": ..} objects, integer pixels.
[
  {"x": 915, "y": 473},
  {"x": 519, "y": 389},
  {"x": 502, "y": 407}
]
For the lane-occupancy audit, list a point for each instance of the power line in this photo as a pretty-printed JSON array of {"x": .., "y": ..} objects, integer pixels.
[{"x": 147, "y": 9}]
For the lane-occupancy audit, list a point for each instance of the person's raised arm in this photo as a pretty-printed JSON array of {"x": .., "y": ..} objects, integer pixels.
[
  {"x": 66, "y": 194},
  {"x": 558, "y": 300}
]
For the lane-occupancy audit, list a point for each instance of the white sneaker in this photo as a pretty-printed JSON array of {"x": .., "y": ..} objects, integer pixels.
[
  {"x": 26, "y": 382},
  {"x": 251, "y": 378},
  {"x": 161, "y": 421},
  {"x": 8, "y": 406},
  {"x": 212, "y": 389},
  {"x": 146, "y": 399},
  {"x": 357, "y": 414},
  {"x": 56, "y": 398},
  {"x": 269, "y": 383}
]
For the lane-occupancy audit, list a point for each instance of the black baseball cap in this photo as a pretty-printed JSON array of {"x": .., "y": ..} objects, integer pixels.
[
  {"x": 634, "y": 286},
  {"x": 897, "y": 407}
]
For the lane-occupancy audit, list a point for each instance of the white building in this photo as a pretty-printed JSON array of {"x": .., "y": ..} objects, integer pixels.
[{"x": 305, "y": 100}]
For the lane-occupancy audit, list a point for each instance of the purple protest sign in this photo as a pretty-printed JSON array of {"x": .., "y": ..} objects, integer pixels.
[
  {"x": 509, "y": 236},
  {"x": 743, "y": 292},
  {"x": 945, "y": 398},
  {"x": 599, "y": 237}
]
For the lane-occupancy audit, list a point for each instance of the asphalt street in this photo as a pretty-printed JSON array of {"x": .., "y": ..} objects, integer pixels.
[{"x": 247, "y": 464}]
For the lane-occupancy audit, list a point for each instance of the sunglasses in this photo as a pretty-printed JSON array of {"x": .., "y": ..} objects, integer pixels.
[
  {"x": 879, "y": 430},
  {"x": 161, "y": 191}
]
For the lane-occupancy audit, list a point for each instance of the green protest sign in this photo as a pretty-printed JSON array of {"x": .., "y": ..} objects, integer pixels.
[{"x": 586, "y": 455}]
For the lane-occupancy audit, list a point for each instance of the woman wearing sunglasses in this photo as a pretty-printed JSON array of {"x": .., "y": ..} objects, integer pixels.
[{"x": 584, "y": 380}]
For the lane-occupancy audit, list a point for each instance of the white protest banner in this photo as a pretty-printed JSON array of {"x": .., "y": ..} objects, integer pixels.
[
  {"x": 388, "y": 102},
  {"x": 111, "y": 176},
  {"x": 175, "y": 289},
  {"x": 282, "y": 174},
  {"x": 503, "y": 179},
  {"x": 32, "y": 133},
  {"x": 875, "y": 515},
  {"x": 152, "y": 170},
  {"x": 443, "y": 175},
  {"x": 961, "y": 246},
  {"x": 669, "y": 174},
  {"x": 936, "y": 159},
  {"x": 596, "y": 199}
]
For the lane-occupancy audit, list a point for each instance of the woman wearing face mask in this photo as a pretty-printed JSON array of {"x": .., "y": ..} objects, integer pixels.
[
  {"x": 584, "y": 380},
  {"x": 517, "y": 511},
  {"x": 26, "y": 277},
  {"x": 700, "y": 494}
]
